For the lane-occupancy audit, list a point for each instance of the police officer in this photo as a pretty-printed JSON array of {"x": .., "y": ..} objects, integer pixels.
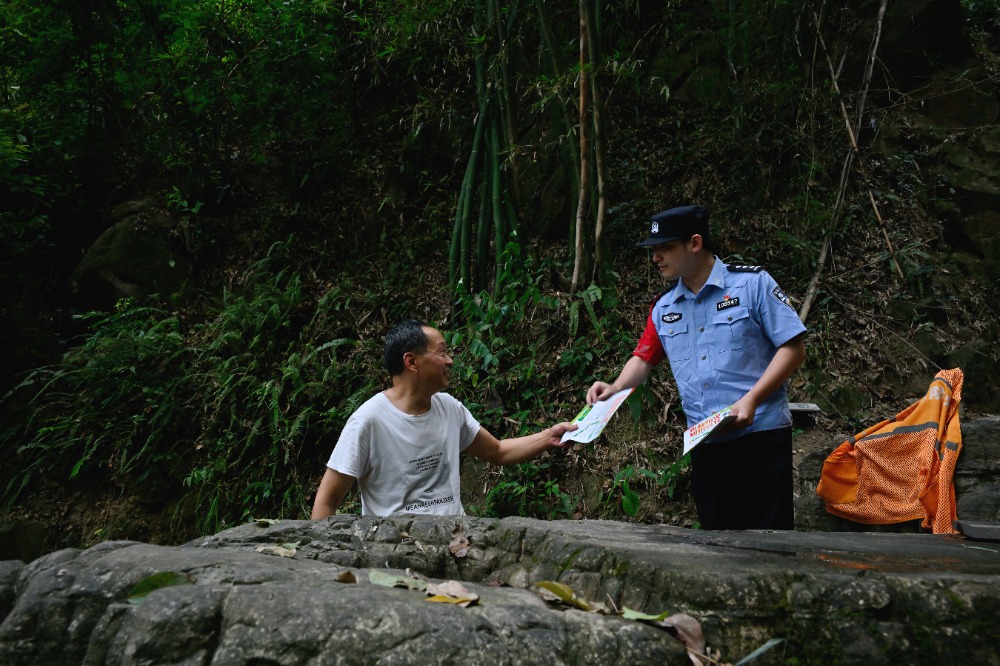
[{"x": 732, "y": 339}]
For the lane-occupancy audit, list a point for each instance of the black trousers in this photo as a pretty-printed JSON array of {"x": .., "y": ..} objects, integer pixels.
[{"x": 745, "y": 483}]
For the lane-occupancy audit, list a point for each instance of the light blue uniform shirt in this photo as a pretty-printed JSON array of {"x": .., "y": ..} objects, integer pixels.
[{"x": 720, "y": 340}]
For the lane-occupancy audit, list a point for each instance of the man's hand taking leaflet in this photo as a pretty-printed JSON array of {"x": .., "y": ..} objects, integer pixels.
[{"x": 558, "y": 430}]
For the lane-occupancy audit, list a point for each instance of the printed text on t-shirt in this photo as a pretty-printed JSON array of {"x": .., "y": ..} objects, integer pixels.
[{"x": 427, "y": 462}]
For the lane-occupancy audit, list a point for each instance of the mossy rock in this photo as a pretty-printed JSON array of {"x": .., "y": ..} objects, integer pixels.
[
  {"x": 142, "y": 254},
  {"x": 842, "y": 398}
]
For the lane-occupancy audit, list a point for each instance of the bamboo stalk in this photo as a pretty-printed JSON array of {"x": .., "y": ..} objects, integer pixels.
[
  {"x": 503, "y": 98},
  {"x": 458, "y": 252},
  {"x": 581, "y": 208},
  {"x": 483, "y": 227},
  {"x": 455, "y": 246},
  {"x": 599, "y": 148},
  {"x": 568, "y": 149},
  {"x": 550, "y": 47},
  {"x": 854, "y": 151},
  {"x": 497, "y": 201},
  {"x": 870, "y": 65}
]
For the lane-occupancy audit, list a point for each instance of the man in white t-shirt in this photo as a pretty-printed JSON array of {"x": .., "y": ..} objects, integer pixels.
[{"x": 403, "y": 444}]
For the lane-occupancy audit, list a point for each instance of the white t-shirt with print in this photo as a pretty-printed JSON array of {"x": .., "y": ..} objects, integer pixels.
[{"x": 404, "y": 463}]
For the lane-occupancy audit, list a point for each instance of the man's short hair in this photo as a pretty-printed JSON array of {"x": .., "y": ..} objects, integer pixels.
[{"x": 406, "y": 336}]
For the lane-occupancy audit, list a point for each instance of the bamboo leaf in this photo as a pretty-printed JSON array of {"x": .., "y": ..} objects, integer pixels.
[
  {"x": 630, "y": 499},
  {"x": 553, "y": 591},
  {"x": 157, "y": 581},
  {"x": 629, "y": 614},
  {"x": 464, "y": 602}
]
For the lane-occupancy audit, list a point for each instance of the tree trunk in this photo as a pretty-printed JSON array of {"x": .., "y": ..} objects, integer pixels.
[
  {"x": 581, "y": 208},
  {"x": 600, "y": 269}
]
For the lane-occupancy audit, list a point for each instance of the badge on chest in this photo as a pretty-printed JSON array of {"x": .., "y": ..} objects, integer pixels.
[
  {"x": 727, "y": 302},
  {"x": 671, "y": 317}
]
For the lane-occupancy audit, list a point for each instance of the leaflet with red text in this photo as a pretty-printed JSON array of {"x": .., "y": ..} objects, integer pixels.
[{"x": 700, "y": 431}]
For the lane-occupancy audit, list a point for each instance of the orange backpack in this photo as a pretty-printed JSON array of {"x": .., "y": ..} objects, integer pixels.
[{"x": 901, "y": 469}]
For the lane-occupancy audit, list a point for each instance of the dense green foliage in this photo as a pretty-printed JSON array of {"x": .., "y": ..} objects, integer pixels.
[
  {"x": 983, "y": 16},
  {"x": 228, "y": 410},
  {"x": 220, "y": 408},
  {"x": 340, "y": 166},
  {"x": 190, "y": 98}
]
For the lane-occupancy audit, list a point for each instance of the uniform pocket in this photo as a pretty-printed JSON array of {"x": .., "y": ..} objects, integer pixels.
[
  {"x": 733, "y": 329},
  {"x": 676, "y": 342}
]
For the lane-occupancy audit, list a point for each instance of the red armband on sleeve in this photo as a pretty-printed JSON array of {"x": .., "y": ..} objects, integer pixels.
[{"x": 649, "y": 348}]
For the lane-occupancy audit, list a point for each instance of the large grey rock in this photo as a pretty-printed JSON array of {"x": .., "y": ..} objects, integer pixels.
[
  {"x": 246, "y": 607},
  {"x": 9, "y": 571},
  {"x": 848, "y": 598},
  {"x": 977, "y": 474},
  {"x": 836, "y": 598}
]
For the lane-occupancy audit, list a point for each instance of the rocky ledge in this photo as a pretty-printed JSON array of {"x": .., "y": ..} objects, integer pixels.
[{"x": 299, "y": 592}]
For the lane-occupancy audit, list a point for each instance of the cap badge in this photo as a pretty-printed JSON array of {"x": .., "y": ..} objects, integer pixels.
[{"x": 655, "y": 228}]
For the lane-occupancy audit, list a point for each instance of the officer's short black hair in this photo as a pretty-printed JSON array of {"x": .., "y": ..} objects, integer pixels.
[
  {"x": 706, "y": 239},
  {"x": 406, "y": 336}
]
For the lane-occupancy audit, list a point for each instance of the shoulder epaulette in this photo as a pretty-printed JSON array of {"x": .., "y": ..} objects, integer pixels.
[{"x": 743, "y": 268}]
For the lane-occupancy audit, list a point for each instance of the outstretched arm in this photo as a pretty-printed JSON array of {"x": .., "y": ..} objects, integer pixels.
[
  {"x": 516, "y": 449},
  {"x": 331, "y": 493},
  {"x": 633, "y": 374}
]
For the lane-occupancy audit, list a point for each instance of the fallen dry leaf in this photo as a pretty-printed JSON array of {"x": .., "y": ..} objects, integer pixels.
[
  {"x": 346, "y": 577},
  {"x": 266, "y": 522},
  {"x": 687, "y": 630},
  {"x": 451, "y": 592},
  {"x": 392, "y": 580},
  {"x": 452, "y": 588},
  {"x": 276, "y": 550},
  {"x": 459, "y": 545}
]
